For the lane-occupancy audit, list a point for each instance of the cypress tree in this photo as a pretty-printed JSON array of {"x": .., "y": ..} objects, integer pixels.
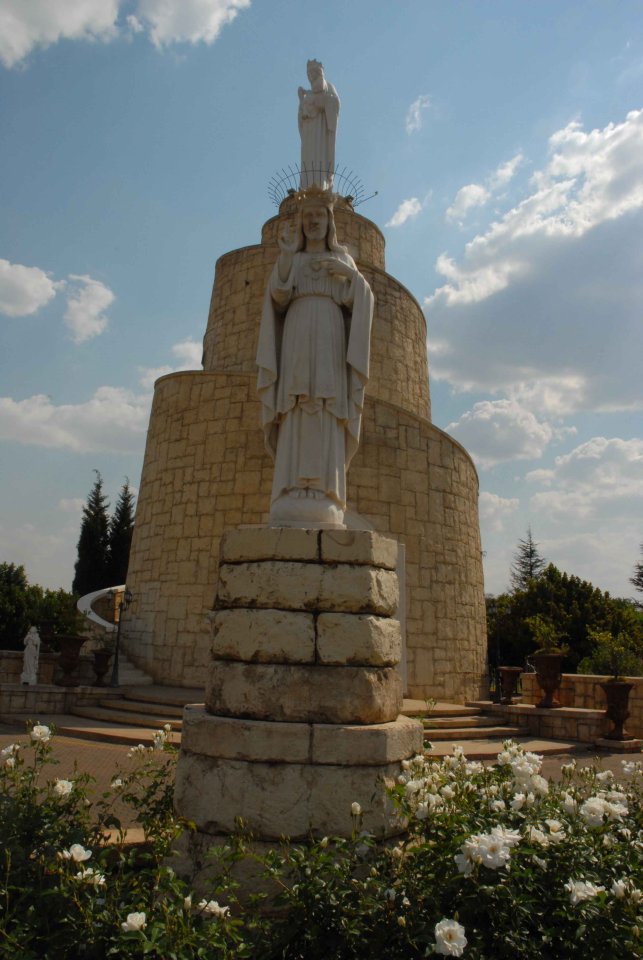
[
  {"x": 91, "y": 570},
  {"x": 527, "y": 563},
  {"x": 121, "y": 528},
  {"x": 637, "y": 579}
]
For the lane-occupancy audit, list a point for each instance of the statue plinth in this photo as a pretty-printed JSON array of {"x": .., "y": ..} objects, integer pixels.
[{"x": 301, "y": 717}]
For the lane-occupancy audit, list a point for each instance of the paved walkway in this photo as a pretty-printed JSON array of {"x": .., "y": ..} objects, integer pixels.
[{"x": 104, "y": 760}]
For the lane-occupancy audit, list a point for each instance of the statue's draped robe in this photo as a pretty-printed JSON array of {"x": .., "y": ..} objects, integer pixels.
[
  {"x": 318, "y": 113},
  {"x": 313, "y": 356}
]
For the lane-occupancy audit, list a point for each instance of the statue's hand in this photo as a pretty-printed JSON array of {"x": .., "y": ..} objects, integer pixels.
[
  {"x": 301, "y": 93},
  {"x": 337, "y": 268},
  {"x": 287, "y": 240}
]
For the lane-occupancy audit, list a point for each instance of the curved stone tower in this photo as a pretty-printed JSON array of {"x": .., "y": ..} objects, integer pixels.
[{"x": 206, "y": 470}]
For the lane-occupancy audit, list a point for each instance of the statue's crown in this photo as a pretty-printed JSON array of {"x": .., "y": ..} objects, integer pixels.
[
  {"x": 314, "y": 194},
  {"x": 315, "y": 65}
]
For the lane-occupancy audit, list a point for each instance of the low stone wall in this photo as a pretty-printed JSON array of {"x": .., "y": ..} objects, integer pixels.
[
  {"x": 48, "y": 670},
  {"x": 11, "y": 666},
  {"x": 583, "y": 691},
  {"x": 18, "y": 701}
]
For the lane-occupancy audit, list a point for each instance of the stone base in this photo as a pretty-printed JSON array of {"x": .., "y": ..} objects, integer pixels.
[
  {"x": 278, "y": 800},
  {"x": 290, "y": 779},
  {"x": 301, "y": 718},
  {"x": 307, "y": 509},
  {"x": 194, "y": 858},
  {"x": 619, "y": 746},
  {"x": 332, "y": 744}
]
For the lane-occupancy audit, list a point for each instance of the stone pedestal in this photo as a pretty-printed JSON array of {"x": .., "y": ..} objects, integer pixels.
[{"x": 301, "y": 717}]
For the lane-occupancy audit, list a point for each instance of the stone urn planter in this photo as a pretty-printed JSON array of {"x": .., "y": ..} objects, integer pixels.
[
  {"x": 102, "y": 660},
  {"x": 617, "y": 695},
  {"x": 549, "y": 677},
  {"x": 509, "y": 677},
  {"x": 69, "y": 659}
]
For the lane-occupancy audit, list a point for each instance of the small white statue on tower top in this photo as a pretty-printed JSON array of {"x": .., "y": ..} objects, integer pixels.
[{"x": 318, "y": 115}]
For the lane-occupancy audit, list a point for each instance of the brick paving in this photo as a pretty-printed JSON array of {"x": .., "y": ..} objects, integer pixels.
[{"x": 104, "y": 760}]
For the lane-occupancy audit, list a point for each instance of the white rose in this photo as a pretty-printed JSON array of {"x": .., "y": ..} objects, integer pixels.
[
  {"x": 210, "y": 908},
  {"x": 40, "y": 733},
  {"x": 450, "y": 940},
  {"x": 134, "y": 922},
  {"x": 580, "y": 890},
  {"x": 62, "y": 788},
  {"x": 77, "y": 853},
  {"x": 619, "y": 889},
  {"x": 356, "y": 810}
]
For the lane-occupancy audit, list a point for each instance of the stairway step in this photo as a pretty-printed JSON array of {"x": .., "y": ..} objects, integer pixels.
[
  {"x": 144, "y": 707},
  {"x": 458, "y": 723},
  {"x": 113, "y": 715},
  {"x": 81, "y": 728},
  {"x": 173, "y": 696},
  {"x": 489, "y": 749},
  {"x": 130, "y": 675},
  {"x": 424, "y": 708},
  {"x": 457, "y": 734}
]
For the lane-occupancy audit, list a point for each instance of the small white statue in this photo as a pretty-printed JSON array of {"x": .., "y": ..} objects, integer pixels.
[
  {"x": 318, "y": 114},
  {"x": 313, "y": 360},
  {"x": 31, "y": 656}
]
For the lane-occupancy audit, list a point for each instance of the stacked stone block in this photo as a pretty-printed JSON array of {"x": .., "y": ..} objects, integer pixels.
[{"x": 301, "y": 717}]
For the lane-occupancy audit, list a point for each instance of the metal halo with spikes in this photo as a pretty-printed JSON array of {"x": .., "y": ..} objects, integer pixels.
[{"x": 346, "y": 184}]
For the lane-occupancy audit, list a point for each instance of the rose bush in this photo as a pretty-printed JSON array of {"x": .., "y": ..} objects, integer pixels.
[{"x": 493, "y": 862}]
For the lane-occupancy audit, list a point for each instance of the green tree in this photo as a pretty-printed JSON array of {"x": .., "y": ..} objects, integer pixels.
[
  {"x": 121, "y": 528},
  {"x": 91, "y": 569},
  {"x": 14, "y": 605},
  {"x": 23, "y": 604},
  {"x": 573, "y": 606},
  {"x": 637, "y": 579},
  {"x": 527, "y": 563}
]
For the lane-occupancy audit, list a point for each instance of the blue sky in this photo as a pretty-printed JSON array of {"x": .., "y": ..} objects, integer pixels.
[{"x": 505, "y": 141}]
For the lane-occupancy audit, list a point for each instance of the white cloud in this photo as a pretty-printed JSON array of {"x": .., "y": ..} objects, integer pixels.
[
  {"x": 26, "y": 24},
  {"x": 494, "y": 510},
  {"x": 187, "y": 352},
  {"x": 29, "y": 24},
  {"x": 23, "y": 290},
  {"x": 477, "y": 195},
  {"x": 86, "y": 301},
  {"x": 545, "y": 304},
  {"x": 494, "y": 431},
  {"x": 134, "y": 24},
  {"x": 406, "y": 211},
  {"x": 414, "y": 113},
  {"x": 48, "y": 558},
  {"x": 191, "y": 21},
  {"x": 72, "y": 505},
  {"x": 600, "y": 477},
  {"x": 113, "y": 420},
  {"x": 505, "y": 172},
  {"x": 471, "y": 195}
]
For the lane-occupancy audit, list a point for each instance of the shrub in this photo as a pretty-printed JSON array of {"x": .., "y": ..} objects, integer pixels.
[{"x": 491, "y": 863}]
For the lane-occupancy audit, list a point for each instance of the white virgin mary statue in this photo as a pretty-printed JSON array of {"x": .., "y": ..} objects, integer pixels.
[
  {"x": 317, "y": 118},
  {"x": 313, "y": 357}
]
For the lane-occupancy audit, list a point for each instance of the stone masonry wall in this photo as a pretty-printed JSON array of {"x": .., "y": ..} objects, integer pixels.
[
  {"x": 206, "y": 470},
  {"x": 584, "y": 691}
]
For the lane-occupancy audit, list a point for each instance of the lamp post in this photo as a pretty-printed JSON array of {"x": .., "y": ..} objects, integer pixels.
[{"x": 125, "y": 602}]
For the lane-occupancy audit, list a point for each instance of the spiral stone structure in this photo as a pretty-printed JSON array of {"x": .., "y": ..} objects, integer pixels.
[{"x": 206, "y": 470}]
